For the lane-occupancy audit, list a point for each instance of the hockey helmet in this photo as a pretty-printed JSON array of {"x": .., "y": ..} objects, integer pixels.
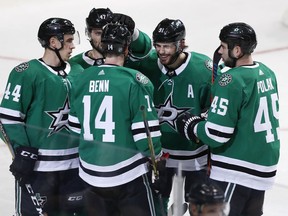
[
  {"x": 57, "y": 27},
  {"x": 206, "y": 193},
  {"x": 98, "y": 18},
  {"x": 115, "y": 38},
  {"x": 240, "y": 34},
  {"x": 169, "y": 30}
]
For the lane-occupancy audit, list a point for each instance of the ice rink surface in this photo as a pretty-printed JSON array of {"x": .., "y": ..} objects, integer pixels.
[{"x": 19, "y": 22}]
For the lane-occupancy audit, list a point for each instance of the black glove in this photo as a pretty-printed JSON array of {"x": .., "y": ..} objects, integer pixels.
[
  {"x": 23, "y": 163},
  {"x": 185, "y": 125},
  {"x": 124, "y": 20}
]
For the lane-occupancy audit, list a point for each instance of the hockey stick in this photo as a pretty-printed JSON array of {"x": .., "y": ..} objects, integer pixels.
[
  {"x": 152, "y": 155},
  {"x": 27, "y": 186},
  {"x": 216, "y": 60}
]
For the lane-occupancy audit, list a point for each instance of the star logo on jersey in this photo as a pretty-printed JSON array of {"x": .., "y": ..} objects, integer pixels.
[
  {"x": 168, "y": 113},
  {"x": 60, "y": 118}
]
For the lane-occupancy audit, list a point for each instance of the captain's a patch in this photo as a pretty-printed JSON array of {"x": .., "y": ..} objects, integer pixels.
[
  {"x": 22, "y": 67},
  {"x": 142, "y": 78},
  {"x": 225, "y": 79}
]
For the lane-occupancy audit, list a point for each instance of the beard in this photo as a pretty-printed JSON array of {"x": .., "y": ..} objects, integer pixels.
[{"x": 230, "y": 62}]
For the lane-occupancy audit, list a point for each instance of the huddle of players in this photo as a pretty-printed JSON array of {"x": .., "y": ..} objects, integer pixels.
[{"x": 135, "y": 94}]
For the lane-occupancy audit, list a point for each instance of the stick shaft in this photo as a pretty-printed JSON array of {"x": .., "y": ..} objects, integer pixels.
[
  {"x": 216, "y": 59},
  {"x": 152, "y": 156}
]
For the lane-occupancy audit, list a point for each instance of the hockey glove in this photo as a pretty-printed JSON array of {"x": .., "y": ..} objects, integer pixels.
[
  {"x": 124, "y": 20},
  {"x": 185, "y": 126},
  {"x": 23, "y": 163}
]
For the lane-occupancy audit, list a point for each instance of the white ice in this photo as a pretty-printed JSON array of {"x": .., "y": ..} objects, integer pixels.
[{"x": 19, "y": 22}]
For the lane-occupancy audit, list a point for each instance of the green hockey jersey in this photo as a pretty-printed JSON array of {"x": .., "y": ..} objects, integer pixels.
[
  {"x": 34, "y": 111},
  {"x": 242, "y": 127},
  {"x": 185, "y": 89},
  {"x": 138, "y": 49},
  {"x": 107, "y": 104}
]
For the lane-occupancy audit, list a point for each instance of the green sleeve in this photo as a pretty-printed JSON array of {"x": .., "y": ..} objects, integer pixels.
[
  {"x": 142, "y": 96},
  {"x": 15, "y": 104},
  {"x": 140, "y": 47}
]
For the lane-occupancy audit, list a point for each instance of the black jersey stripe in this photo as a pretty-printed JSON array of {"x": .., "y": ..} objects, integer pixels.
[
  {"x": 219, "y": 133},
  {"x": 11, "y": 118},
  {"x": 116, "y": 172},
  {"x": 188, "y": 157},
  {"x": 142, "y": 130},
  {"x": 243, "y": 169},
  {"x": 57, "y": 157}
]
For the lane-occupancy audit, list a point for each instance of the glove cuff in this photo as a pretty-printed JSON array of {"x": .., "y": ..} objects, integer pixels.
[
  {"x": 27, "y": 151},
  {"x": 189, "y": 128}
]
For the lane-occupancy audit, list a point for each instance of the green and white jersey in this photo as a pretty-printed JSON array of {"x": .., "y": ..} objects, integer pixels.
[
  {"x": 106, "y": 104},
  {"x": 86, "y": 61},
  {"x": 242, "y": 127},
  {"x": 139, "y": 49},
  {"x": 185, "y": 89},
  {"x": 34, "y": 111}
]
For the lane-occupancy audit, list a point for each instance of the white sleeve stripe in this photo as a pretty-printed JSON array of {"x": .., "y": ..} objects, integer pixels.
[
  {"x": 141, "y": 124},
  {"x": 141, "y": 136},
  {"x": 13, "y": 113},
  {"x": 228, "y": 131},
  {"x": 7, "y": 121},
  {"x": 223, "y": 129}
]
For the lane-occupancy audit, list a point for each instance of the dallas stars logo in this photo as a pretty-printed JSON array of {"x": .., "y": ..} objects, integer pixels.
[
  {"x": 60, "y": 118},
  {"x": 168, "y": 113}
]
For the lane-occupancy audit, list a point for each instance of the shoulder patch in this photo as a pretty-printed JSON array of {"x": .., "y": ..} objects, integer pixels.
[
  {"x": 142, "y": 78},
  {"x": 209, "y": 64},
  {"x": 225, "y": 79},
  {"x": 22, "y": 67}
]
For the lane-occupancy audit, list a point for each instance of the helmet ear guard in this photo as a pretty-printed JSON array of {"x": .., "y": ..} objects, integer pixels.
[{"x": 240, "y": 34}]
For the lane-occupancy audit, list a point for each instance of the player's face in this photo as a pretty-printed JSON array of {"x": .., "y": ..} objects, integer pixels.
[
  {"x": 95, "y": 37},
  {"x": 68, "y": 46},
  {"x": 224, "y": 51},
  {"x": 165, "y": 52}
]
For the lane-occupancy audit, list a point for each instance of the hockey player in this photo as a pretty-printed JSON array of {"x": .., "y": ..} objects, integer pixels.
[
  {"x": 182, "y": 83},
  {"x": 207, "y": 199},
  {"x": 98, "y": 17},
  {"x": 242, "y": 125},
  {"x": 106, "y": 110},
  {"x": 34, "y": 111}
]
